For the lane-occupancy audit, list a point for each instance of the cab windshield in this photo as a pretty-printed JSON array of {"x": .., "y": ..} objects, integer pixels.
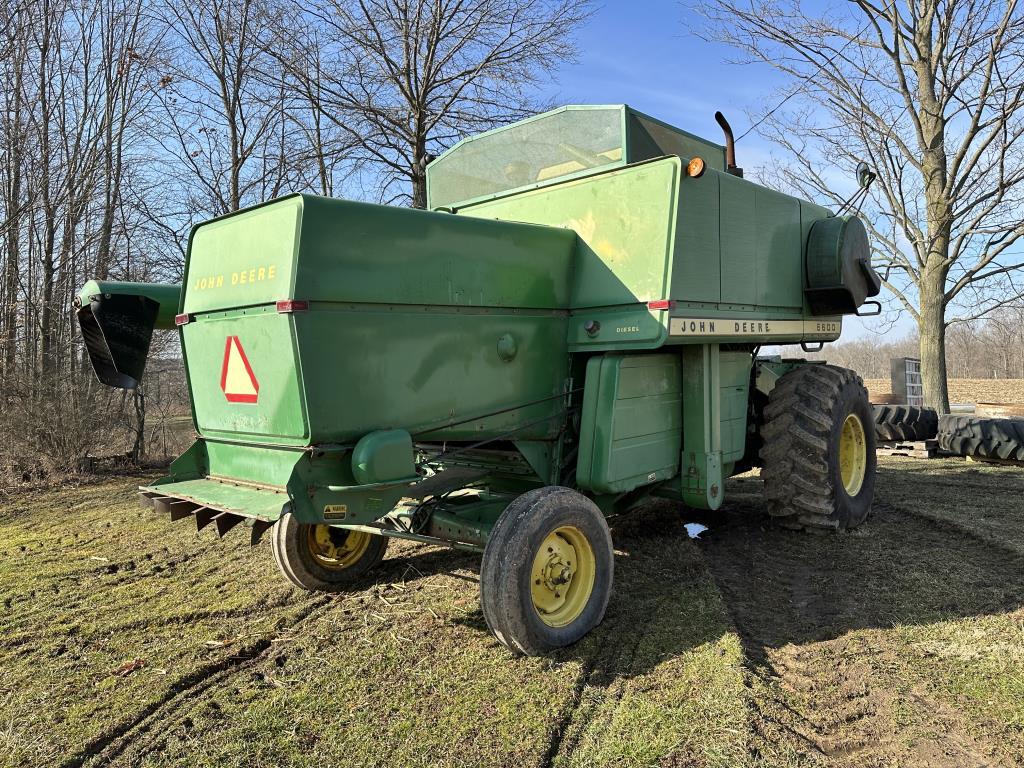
[{"x": 528, "y": 153}]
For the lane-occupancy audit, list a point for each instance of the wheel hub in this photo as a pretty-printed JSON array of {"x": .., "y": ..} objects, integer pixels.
[
  {"x": 853, "y": 456},
  {"x": 336, "y": 548},
  {"x": 562, "y": 577}
]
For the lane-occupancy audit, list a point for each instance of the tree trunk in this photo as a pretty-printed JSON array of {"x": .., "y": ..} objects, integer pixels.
[
  {"x": 932, "y": 326},
  {"x": 139, "y": 447},
  {"x": 934, "y": 165}
]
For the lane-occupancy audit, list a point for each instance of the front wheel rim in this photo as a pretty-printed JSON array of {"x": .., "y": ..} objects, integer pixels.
[
  {"x": 563, "y": 575},
  {"x": 853, "y": 455},
  {"x": 336, "y": 548}
]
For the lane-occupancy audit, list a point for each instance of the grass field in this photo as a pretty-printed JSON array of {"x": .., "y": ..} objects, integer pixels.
[{"x": 128, "y": 641}]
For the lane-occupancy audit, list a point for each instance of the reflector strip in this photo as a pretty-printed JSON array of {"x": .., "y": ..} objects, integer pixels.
[
  {"x": 292, "y": 305},
  {"x": 182, "y": 319},
  {"x": 660, "y": 304}
]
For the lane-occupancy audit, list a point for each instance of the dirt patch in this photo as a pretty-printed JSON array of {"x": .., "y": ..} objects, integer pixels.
[
  {"x": 129, "y": 641},
  {"x": 830, "y": 680}
]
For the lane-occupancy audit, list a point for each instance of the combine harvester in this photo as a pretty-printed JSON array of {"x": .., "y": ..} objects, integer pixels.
[{"x": 572, "y": 328}]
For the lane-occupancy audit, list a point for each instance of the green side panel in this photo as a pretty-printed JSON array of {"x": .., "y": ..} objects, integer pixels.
[
  {"x": 378, "y": 367},
  {"x": 243, "y": 259},
  {"x": 266, "y": 406},
  {"x": 625, "y": 220},
  {"x": 760, "y": 245},
  {"x": 779, "y": 272},
  {"x": 739, "y": 240},
  {"x": 696, "y": 270},
  {"x": 631, "y": 421},
  {"x": 357, "y": 252},
  {"x": 321, "y": 249},
  {"x": 734, "y": 383},
  {"x": 268, "y": 467}
]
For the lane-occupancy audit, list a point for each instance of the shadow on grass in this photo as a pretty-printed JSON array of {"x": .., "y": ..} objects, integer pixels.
[
  {"x": 663, "y": 603},
  {"x": 905, "y": 565},
  {"x": 902, "y": 566}
]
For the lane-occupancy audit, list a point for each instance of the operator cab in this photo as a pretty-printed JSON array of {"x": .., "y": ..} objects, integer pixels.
[{"x": 565, "y": 143}]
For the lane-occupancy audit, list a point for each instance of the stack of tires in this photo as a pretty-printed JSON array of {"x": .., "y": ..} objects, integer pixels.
[
  {"x": 981, "y": 437},
  {"x": 905, "y": 423}
]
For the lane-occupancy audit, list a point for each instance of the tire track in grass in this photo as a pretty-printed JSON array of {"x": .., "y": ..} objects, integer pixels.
[
  {"x": 598, "y": 683},
  {"x": 110, "y": 745},
  {"x": 813, "y": 615}
]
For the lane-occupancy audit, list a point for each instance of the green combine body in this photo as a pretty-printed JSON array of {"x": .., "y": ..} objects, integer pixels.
[{"x": 571, "y": 328}]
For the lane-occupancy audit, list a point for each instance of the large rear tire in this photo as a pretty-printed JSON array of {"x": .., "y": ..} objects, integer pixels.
[
  {"x": 322, "y": 558},
  {"x": 905, "y": 422},
  {"x": 547, "y": 571},
  {"x": 819, "y": 449},
  {"x": 984, "y": 438}
]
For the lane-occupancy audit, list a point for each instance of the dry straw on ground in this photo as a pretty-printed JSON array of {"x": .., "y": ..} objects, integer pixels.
[{"x": 968, "y": 390}]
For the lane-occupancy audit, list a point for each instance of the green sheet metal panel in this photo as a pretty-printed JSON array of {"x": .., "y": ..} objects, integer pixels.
[
  {"x": 322, "y": 249},
  {"x": 405, "y": 314},
  {"x": 243, "y": 259},
  {"x": 625, "y": 220},
  {"x": 779, "y": 250},
  {"x": 630, "y": 430},
  {"x": 242, "y": 378},
  {"x": 761, "y": 245},
  {"x": 733, "y": 381},
  {"x": 358, "y": 252},
  {"x": 382, "y": 367},
  {"x": 739, "y": 240},
  {"x": 696, "y": 269}
]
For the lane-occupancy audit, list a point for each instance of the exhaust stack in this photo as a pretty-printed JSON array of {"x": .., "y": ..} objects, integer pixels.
[{"x": 730, "y": 146}]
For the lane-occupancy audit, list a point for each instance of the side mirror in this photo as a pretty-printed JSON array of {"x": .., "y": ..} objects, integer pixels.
[{"x": 864, "y": 175}]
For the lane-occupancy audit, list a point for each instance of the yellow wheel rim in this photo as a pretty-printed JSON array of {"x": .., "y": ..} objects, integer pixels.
[
  {"x": 853, "y": 454},
  {"x": 562, "y": 577},
  {"x": 336, "y": 548}
]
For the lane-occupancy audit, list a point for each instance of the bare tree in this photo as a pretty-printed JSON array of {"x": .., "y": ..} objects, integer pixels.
[
  {"x": 225, "y": 121},
  {"x": 931, "y": 92},
  {"x": 405, "y": 79}
]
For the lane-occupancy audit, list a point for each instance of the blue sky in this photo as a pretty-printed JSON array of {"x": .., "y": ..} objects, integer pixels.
[{"x": 643, "y": 53}]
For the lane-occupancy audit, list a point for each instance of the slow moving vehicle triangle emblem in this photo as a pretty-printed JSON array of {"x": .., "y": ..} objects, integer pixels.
[{"x": 236, "y": 377}]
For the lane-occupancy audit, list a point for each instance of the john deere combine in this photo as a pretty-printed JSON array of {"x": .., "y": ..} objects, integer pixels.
[{"x": 571, "y": 328}]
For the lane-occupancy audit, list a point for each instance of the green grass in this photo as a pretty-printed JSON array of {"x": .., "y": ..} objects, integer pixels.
[{"x": 705, "y": 658}]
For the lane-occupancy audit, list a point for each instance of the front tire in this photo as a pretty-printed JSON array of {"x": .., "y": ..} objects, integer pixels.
[
  {"x": 819, "y": 449},
  {"x": 322, "y": 558},
  {"x": 547, "y": 571}
]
